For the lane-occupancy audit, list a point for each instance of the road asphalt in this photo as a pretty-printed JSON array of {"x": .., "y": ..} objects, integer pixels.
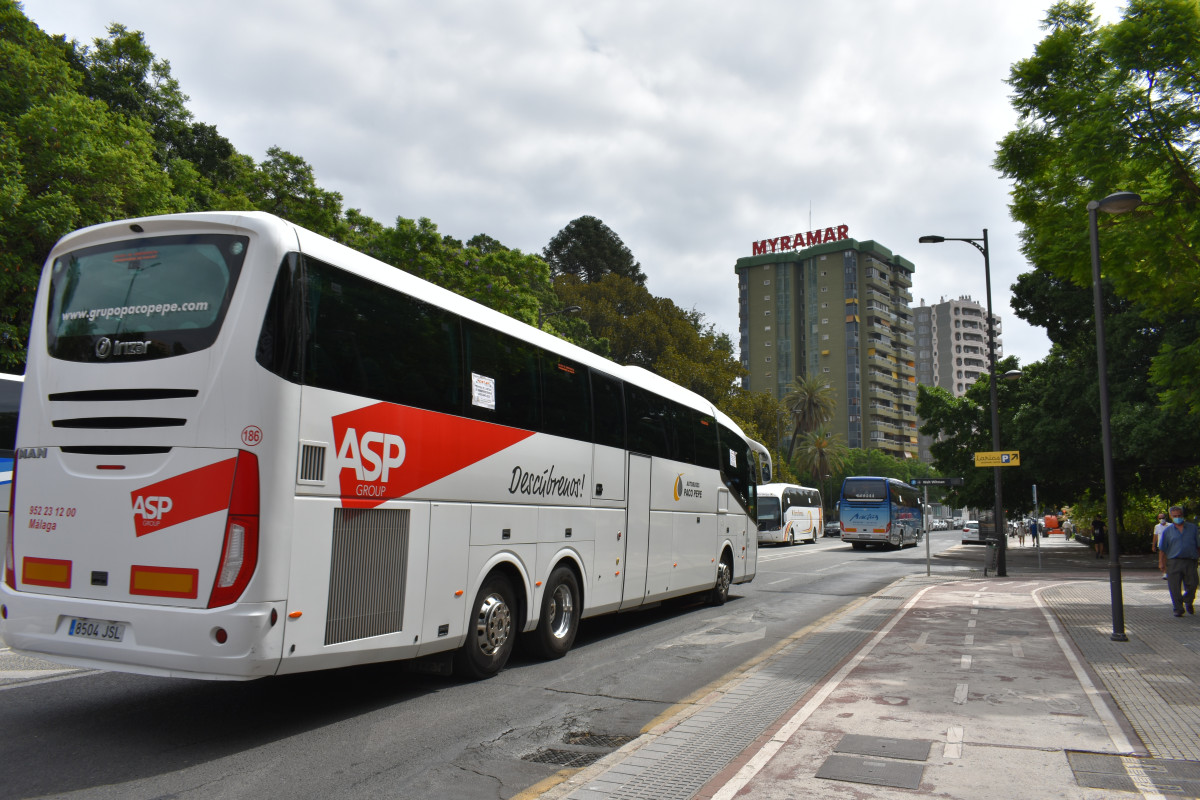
[{"x": 954, "y": 684}]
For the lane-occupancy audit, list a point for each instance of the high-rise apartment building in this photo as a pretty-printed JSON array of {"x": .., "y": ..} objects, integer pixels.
[
  {"x": 952, "y": 347},
  {"x": 824, "y": 304}
]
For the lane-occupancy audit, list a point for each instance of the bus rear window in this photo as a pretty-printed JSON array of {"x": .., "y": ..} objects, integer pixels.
[
  {"x": 141, "y": 299},
  {"x": 860, "y": 490}
]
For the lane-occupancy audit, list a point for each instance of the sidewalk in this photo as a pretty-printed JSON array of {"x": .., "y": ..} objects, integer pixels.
[{"x": 968, "y": 688}]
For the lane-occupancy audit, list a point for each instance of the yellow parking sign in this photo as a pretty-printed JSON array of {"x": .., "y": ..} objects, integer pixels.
[{"x": 999, "y": 458}]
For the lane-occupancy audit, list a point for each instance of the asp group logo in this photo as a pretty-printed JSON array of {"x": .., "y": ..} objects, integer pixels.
[{"x": 386, "y": 451}]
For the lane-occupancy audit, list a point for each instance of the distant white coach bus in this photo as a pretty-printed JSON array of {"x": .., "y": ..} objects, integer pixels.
[
  {"x": 788, "y": 513},
  {"x": 246, "y": 450}
]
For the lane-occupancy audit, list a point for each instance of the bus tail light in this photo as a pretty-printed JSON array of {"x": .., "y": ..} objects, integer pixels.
[
  {"x": 10, "y": 559},
  {"x": 239, "y": 552}
]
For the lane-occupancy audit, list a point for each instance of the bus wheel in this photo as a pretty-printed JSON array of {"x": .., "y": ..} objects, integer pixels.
[
  {"x": 559, "y": 620},
  {"x": 720, "y": 592},
  {"x": 791, "y": 538},
  {"x": 490, "y": 636}
]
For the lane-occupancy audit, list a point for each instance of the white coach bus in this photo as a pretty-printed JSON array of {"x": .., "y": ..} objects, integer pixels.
[
  {"x": 246, "y": 450},
  {"x": 788, "y": 513}
]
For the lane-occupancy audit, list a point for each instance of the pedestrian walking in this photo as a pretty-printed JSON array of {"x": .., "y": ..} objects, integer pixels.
[
  {"x": 1021, "y": 534},
  {"x": 1182, "y": 547},
  {"x": 1099, "y": 535},
  {"x": 1156, "y": 543}
]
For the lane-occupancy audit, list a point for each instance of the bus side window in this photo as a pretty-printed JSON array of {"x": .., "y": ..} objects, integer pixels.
[
  {"x": 566, "y": 398},
  {"x": 511, "y": 367},
  {"x": 608, "y": 409}
]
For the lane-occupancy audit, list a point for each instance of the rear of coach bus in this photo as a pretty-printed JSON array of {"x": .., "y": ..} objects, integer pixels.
[{"x": 145, "y": 428}]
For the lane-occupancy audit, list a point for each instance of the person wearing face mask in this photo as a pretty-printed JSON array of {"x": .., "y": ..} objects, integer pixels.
[
  {"x": 1181, "y": 545},
  {"x": 1156, "y": 543}
]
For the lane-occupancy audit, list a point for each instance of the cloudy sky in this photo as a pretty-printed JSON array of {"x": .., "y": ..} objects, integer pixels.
[{"x": 692, "y": 129}]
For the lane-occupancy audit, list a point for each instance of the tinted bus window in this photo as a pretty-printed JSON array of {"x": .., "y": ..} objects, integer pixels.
[
  {"x": 864, "y": 490},
  {"x": 370, "y": 341},
  {"x": 738, "y": 468},
  {"x": 608, "y": 407},
  {"x": 566, "y": 398},
  {"x": 504, "y": 378},
  {"x": 648, "y": 418},
  {"x": 168, "y": 293},
  {"x": 10, "y": 404}
]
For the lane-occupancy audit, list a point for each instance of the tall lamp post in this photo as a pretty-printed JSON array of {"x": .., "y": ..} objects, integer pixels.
[
  {"x": 1116, "y": 203},
  {"x": 998, "y": 511},
  {"x": 545, "y": 315}
]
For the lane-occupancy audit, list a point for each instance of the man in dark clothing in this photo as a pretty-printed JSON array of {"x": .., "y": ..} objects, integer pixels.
[{"x": 1181, "y": 544}]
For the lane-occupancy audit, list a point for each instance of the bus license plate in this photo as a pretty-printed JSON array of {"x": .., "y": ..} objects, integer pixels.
[{"x": 97, "y": 629}]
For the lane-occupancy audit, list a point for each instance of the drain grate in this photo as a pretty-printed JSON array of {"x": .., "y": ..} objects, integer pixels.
[
  {"x": 597, "y": 740},
  {"x": 564, "y": 758}
]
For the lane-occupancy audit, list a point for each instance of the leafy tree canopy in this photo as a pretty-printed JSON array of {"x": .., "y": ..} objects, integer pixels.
[
  {"x": 1105, "y": 109},
  {"x": 654, "y": 333},
  {"x": 588, "y": 250}
]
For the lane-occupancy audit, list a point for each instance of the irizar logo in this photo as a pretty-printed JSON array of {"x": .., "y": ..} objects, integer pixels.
[
  {"x": 371, "y": 457},
  {"x": 152, "y": 508}
]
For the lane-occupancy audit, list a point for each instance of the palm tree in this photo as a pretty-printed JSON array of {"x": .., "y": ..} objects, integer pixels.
[
  {"x": 821, "y": 453},
  {"x": 811, "y": 402}
]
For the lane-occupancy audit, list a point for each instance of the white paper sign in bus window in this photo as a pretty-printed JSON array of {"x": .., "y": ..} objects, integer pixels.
[
  {"x": 483, "y": 392},
  {"x": 733, "y": 458}
]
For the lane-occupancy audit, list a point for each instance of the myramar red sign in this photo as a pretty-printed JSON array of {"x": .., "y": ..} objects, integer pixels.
[{"x": 797, "y": 241}]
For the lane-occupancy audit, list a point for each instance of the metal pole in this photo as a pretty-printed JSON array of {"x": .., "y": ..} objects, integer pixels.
[
  {"x": 1110, "y": 481},
  {"x": 998, "y": 512},
  {"x": 925, "y": 525}
]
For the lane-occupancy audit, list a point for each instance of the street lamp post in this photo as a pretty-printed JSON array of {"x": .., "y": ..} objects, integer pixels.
[
  {"x": 543, "y": 316},
  {"x": 1117, "y": 203},
  {"x": 998, "y": 511}
]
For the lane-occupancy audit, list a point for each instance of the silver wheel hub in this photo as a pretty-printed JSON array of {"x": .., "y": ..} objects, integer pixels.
[
  {"x": 493, "y": 625},
  {"x": 562, "y": 610}
]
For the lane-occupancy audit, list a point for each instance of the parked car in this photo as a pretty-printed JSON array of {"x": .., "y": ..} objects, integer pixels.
[
  {"x": 833, "y": 529},
  {"x": 970, "y": 533}
]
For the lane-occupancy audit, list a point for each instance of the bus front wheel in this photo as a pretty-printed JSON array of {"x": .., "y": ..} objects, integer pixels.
[
  {"x": 490, "y": 635},
  {"x": 720, "y": 591},
  {"x": 559, "y": 621}
]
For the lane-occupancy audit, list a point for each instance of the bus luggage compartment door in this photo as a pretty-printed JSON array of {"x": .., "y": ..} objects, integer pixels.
[{"x": 637, "y": 531}]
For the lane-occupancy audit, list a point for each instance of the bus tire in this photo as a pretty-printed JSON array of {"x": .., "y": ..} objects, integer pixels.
[
  {"x": 558, "y": 621},
  {"x": 490, "y": 634},
  {"x": 720, "y": 591}
]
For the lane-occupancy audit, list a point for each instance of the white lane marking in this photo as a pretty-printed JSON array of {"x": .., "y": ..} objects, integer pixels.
[
  {"x": 965, "y": 662},
  {"x": 776, "y": 742},
  {"x": 960, "y": 694},
  {"x": 1017, "y": 650},
  {"x": 954, "y": 742},
  {"x": 969, "y": 640}
]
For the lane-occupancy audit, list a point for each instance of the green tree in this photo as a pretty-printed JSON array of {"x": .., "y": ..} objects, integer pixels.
[
  {"x": 1108, "y": 108},
  {"x": 654, "y": 333},
  {"x": 588, "y": 249},
  {"x": 66, "y": 161},
  {"x": 811, "y": 402},
  {"x": 820, "y": 453}
]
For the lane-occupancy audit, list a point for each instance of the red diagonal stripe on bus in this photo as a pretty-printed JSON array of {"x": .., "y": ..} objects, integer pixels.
[
  {"x": 187, "y": 496},
  {"x": 434, "y": 446}
]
